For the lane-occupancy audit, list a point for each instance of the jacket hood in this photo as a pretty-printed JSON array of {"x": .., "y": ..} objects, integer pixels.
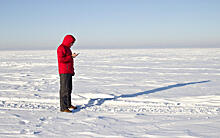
[{"x": 68, "y": 39}]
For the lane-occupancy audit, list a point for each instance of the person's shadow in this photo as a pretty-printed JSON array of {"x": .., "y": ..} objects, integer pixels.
[{"x": 100, "y": 101}]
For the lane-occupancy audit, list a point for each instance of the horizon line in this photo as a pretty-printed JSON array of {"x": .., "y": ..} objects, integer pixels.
[{"x": 113, "y": 48}]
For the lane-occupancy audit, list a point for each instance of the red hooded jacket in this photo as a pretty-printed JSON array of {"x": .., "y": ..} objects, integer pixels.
[{"x": 64, "y": 56}]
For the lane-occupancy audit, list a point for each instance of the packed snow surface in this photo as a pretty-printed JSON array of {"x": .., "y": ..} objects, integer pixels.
[{"x": 119, "y": 93}]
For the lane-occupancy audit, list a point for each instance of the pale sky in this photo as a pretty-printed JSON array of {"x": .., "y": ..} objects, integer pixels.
[{"x": 42, "y": 24}]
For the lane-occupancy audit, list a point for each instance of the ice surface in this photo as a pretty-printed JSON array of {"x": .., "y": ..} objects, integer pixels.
[{"x": 120, "y": 93}]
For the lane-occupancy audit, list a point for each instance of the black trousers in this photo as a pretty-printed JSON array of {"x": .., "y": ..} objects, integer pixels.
[{"x": 65, "y": 91}]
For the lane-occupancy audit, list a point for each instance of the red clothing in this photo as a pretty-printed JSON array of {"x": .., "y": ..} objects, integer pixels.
[{"x": 64, "y": 55}]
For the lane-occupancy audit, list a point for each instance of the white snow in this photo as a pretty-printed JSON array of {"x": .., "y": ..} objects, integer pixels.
[{"x": 120, "y": 93}]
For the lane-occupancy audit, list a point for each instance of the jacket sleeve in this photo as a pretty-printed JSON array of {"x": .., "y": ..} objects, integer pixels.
[{"x": 62, "y": 57}]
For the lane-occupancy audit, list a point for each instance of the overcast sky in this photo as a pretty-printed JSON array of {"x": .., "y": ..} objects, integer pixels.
[{"x": 42, "y": 24}]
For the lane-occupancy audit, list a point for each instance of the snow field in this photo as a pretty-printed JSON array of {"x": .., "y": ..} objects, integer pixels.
[{"x": 120, "y": 93}]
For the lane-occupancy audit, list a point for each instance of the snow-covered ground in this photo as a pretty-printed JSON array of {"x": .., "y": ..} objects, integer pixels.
[{"x": 120, "y": 93}]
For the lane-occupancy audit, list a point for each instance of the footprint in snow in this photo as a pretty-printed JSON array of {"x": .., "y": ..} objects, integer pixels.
[
  {"x": 23, "y": 122},
  {"x": 42, "y": 119},
  {"x": 37, "y": 132},
  {"x": 16, "y": 115}
]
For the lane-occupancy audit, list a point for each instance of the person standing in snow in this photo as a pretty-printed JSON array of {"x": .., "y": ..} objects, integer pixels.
[{"x": 66, "y": 71}]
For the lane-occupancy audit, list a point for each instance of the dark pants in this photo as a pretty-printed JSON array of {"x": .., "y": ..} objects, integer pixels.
[{"x": 65, "y": 91}]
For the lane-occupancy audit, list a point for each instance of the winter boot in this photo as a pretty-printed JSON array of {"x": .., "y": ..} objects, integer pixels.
[
  {"x": 72, "y": 107},
  {"x": 66, "y": 110}
]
